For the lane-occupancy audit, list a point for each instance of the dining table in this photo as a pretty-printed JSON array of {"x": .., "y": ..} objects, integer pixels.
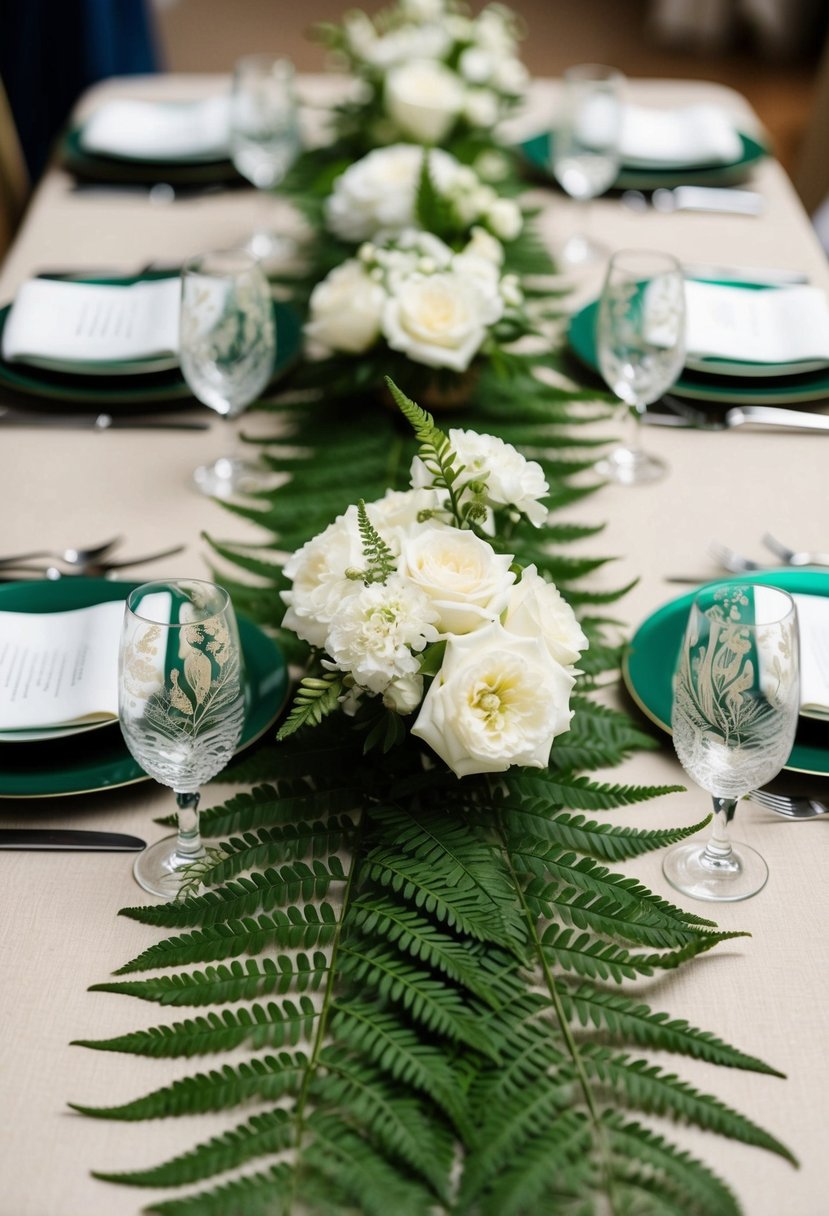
[{"x": 767, "y": 992}]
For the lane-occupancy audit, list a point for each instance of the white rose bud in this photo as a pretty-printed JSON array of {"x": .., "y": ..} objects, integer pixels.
[
  {"x": 475, "y": 65},
  {"x": 424, "y": 98},
  {"x": 481, "y": 108},
  {"x": 345, "y": 309},
  {"x": 404, "y": 694},
  {"x": 504, "y": 218}
]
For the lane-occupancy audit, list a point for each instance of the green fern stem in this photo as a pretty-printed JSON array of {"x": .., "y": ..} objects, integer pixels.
[
  {"x": 599, "y": 1130},
  {"x": 327, "y": 1001}
]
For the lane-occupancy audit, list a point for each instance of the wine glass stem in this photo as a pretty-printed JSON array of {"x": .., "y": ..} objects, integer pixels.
[
  {"x": 718, "y": 851},
  {"x": 189, "y": 842},
  {"x": 634, "y": 427}
]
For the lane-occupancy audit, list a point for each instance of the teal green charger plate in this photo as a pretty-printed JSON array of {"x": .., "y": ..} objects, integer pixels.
[
  {"x": 705, "y": 386},
  {"x": 96, "y": 167},
  {"x": 100, "y": 760},
  {"x": 650, "y": 658},
  {"x": 138, "y": 389},
  {"x": 538, "y": 153}
]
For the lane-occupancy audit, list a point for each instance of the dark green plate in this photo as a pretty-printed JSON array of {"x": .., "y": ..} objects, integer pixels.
[
  {"x": 95, "y": 167},
  {"x": 650, "y": 659},
  {"x": 144, "y": 388},
  {"x": 100, "y": 760},
  {"x": 703, "y": 386},
  {"x": 538, "y": 154}
]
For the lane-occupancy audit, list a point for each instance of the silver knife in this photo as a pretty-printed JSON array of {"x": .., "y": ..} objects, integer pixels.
[
  {"x": 67, "y": 839},
  {"x": 742, "y": 415},
  {"x": 95, "y": 422}
]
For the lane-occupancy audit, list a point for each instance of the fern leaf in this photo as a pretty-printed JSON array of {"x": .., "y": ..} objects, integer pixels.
[
  {"x": 263, "y": 1077},
  {"x": 598, "y": 959},
  {"x": 218, "y": 985},
  {"x": 602, "y": 841},
  {"x": 582, "y": 794},
  {"x": 316, "y": 697},
  {"x": 289, "y": 928},
  {"x": 270, "y": 1132},
  {"x": 267, "y": 846},
  {"x": 560, "y": 1154},
  {"x": 253, "y": 1195},
  {"x": 603, "y": 913},
  {"x": 255, "y": 1025}
]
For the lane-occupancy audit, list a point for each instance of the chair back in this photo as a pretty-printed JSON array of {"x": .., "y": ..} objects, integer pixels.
[{"x": 14, "y": 181}]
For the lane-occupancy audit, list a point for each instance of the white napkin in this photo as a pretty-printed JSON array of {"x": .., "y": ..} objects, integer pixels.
[
  {"x": 76, "y": 326},
  {"x": 164, "y": 131},
  {"x": 770, "y": 326},
  {"x": 813, "y": 622},
  {"x": 692, "y": 135}
]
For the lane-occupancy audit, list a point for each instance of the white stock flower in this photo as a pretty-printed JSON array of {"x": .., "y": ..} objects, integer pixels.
[
  {"x": 320, "y": 583},
  {"x": 511, "y": 480},
  {"x": 375, "y": 632},
  {"x": 466, "y": 580},
  {"x": 345, "y": 310},
  {"x": 537, "y": 609},
  {"x": 498, "y": 700},
  {"x": 424, "y": 98},
  {"x": 441, "y": 319},
  {"x": 379, "y": 192}
]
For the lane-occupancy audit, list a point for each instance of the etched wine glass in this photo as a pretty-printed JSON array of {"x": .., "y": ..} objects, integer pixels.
[
  {"x": 640, "y": 343},
  {"x": 735, "y": 707},
  {"x": 181, "y": 704},
  {"x": 227, "y": 348},
  {"x": 586, "y": 155},
  {"x": 264, "y": 136}
]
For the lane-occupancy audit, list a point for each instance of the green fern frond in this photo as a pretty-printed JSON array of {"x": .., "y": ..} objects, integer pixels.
[
  {"x": 558, "y": 1155},
  {"x": 268, "y": 1025},
  {"x": 262, "y": 891},
  {"x": 380, "y": 560},
  {"x": 581, "y": 793},
  {"x": 219, "y": 985},
  {"x": 268, "y": 846},
  {"x": 258, "y": 1194},
  {"x": 603, "y": 960},
  {"x": 435, "y": 449},
  {"x": 315, "y": 697},
  {"x": 630, "y": 1021},
  {"x": 270, "y": 1132},
  {"x": 602, "y": 913},
  {"x": 599, "y": 840},
  {"x": 263, "y": 1077},
  {"x": 287, "y": 928}
]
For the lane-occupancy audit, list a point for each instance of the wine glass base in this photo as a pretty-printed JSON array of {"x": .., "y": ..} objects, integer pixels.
[
  {"x": 631, "y": 467},
  {"x": 580, "y": 250},
  {"x": 231, "y": 475},
  {"x": 158, "y": 868},
  {"x": 690, "y": 869}
]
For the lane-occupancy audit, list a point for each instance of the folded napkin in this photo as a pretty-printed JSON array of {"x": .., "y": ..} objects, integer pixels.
[
  {"x": 86, "y": 327},
  {"x": 775, "y": 326},
  {"x": 163, "y": 131},
  {"x": 692, "y": 135},
  {"x": 813, "y": 621}
]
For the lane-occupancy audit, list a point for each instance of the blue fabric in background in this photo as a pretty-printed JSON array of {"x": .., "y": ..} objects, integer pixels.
[{"x": 51, "y": 50}]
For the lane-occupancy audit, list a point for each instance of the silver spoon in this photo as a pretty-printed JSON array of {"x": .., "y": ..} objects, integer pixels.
[{"x": 72, "y": 557}]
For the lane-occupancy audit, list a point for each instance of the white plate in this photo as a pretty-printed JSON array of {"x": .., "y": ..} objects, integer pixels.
[{"x": 47, "y": 733}]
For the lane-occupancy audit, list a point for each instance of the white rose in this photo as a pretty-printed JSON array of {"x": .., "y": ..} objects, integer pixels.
[
  {"x": 422, "y": 10},
  {"x": 475, "y": 65},
  {"x": 424, "y": 98},
  {"x": 498, "y": 700},
  {"x": 426, "y": 41},
  {"x": 359, "y": 34},
  {"x": 466, "y": 580},
  {"x": 504, "y": 217},
  {"x": 481, "y": 108},
  {"x": 345, "y": 310},
  {"x": 320, "y": 583},
  {"x": 441, "y": 319},
  {"x": 537, "y": 609},
  {"x": 379, "y": 192},
  {"x": 510, "y": 75},
  {"x": 377, "y": 632},
  {"x": 404, "y": 695},
  {"x": 511, "y": 479}
]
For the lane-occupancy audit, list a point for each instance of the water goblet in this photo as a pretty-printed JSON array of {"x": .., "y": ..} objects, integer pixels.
[
  {"x": 181, "y": 704},
  {"x": 586, "y": 154},
  {"x": 227, "y": 347},
  {"x": 264, "y": 136},
  {"x": 640, "y": 341},
  {"x": 735, "y": 707}
]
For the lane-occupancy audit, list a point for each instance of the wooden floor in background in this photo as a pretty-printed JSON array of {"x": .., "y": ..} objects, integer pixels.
[{"x": 208, "y": 35}]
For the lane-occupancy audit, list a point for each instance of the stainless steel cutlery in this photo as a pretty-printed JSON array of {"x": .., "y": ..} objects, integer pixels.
[
  {"x": 97, "y": 422},
  {"x": 789, "y": 807},
  {"x": 69, "y": 840},
  {"x": 760, "y": 416},
  {"x": 696, "y": 198}
]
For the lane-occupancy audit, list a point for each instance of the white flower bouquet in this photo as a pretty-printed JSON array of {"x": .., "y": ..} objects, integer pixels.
[
  {"x": 431, "y": 70},
  {"x": 413, "y": 607}
]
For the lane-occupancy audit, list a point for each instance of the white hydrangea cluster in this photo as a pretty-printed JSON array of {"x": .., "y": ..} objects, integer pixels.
[
  {"x": 502, "y": 692},
  {"x": 436, "y": 65},
  {"x": 376, "y": 197},
  {"x": 434, "y": 305}
]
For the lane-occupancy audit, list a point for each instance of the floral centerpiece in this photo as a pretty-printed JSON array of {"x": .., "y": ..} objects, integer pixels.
[{"x": 414, "y": 590}]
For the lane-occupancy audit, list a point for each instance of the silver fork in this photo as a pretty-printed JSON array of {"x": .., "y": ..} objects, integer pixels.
[
  {"x": 791, "y": 808},
  {"x": 793, "y": 557},
  {"x": 730, "y": 560}
]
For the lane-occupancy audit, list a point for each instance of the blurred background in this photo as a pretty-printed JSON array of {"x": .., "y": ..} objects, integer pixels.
[{"x": 774, "y": 52}]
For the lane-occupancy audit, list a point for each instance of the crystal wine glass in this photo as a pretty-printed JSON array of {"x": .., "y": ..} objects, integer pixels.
[
  {"x": 181, "y": 705},
  {"x": 640, "y": 339},
  {"x": 264, "y": 135},
  {"x": 227, "y": 348},
  {"x": 586, "y": 148},
  {"x": 735, "y": 708}
]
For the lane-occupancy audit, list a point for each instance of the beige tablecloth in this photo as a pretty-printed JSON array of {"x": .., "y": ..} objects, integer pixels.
[{"x": 765, "y": 993}]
